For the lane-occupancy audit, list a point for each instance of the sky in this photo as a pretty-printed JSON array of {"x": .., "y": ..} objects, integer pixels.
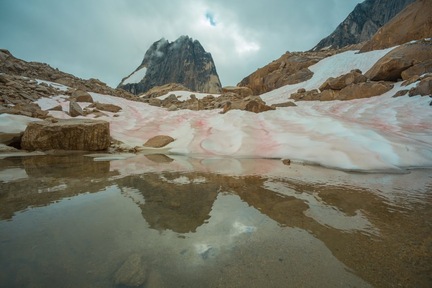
[{"x": 107, "y": 39}]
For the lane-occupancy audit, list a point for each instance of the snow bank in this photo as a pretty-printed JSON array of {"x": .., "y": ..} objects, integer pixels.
[
  {"x": 135, "y": 77},
  {"x": 333, "y": 66},
  {"x": 378, "y": 133}
]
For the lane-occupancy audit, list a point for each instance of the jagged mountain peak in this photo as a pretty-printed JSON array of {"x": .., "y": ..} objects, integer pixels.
[{"x": 183, "y": 61}]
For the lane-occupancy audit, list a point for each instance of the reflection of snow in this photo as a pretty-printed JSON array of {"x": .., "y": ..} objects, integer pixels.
[
  {"x": 12, "y": 174},
  {"x": 323, "y": 213},
  {"x": 183, "y": 180}
]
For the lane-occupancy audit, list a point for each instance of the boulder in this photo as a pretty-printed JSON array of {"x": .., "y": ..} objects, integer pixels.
[
  {"x": 417, "y": 70},
  {"x": 106, "y": 107},
  {"x": 364, "y": 90},
  {"x": 67, "y": 134},
  {"x": 257, "y": 107},
  {"x": 75, "y": 109},
  {"x": 423, "y": 88},
  {"x": 391, "y": 66},
  {"x": 338, "y": 83},
  {"x": 159, "y": 141},
  {"x": 242, "y": 91},
  {"x": 81, "y": 96}
]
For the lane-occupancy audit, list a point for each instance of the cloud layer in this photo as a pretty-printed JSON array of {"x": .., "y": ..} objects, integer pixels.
[{"x": 107, "y": 39}]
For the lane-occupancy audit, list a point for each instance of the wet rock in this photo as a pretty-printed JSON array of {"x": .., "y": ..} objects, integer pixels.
[
  {"x": 133, "y": 272},
  {"x": 159, "y": 141},
  {"x": 68, "y": 134},
  {"x": 286, "y": 162}
]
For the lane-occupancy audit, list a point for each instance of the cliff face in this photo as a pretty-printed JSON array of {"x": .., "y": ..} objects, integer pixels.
[
  {"x": 362, "y": 23},
  {"x": 412, "y": 23},
  {"x": 183, "y": 61}
]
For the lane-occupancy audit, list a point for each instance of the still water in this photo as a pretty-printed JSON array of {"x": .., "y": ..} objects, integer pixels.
[{"x": 170, "y": 221}]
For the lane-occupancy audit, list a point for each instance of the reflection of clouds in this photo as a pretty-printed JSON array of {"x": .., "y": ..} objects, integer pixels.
[
  {"x": 230, "y": 220},
  {"x": 325, "y": 214},
  {"x": 240, "y": 228}
]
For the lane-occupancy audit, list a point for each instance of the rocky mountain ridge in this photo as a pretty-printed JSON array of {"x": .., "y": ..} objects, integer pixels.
[
  {"x": 362, "y": 23},
  {"x": 183, "y": 61}
]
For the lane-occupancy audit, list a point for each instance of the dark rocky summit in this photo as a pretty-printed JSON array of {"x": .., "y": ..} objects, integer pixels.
[
  {"x": 362, "y": 23},
  {"x": 183, "y": 61}
]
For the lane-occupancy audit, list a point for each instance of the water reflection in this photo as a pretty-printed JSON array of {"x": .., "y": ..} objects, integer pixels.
[{"x": 209, "y": 222}]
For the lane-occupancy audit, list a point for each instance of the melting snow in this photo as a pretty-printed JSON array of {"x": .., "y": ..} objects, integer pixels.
[{"x": 377, "y": 133}]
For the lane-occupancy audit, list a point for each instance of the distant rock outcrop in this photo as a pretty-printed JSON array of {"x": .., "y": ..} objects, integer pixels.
[
  {"x": 362, "y": 23},
  {"x": 413, "y": 23},
  {"x": 183, "y": 61},
  {"x": 290, "y": 68}
]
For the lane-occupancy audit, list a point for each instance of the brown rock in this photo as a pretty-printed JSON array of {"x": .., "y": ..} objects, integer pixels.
[
  {"x": 69, "y": 134},
  {"x": 75, "y": 109},
  {"x": 329, "y": 95},
  {"x": 412, "y": 23},
  {"x": 257, "y": 107},
  {"x": 159, "y": 141},
  {"x": 391, "y": 66},
  {"x": 290, "y": 68},
  {"x": 164, "y": 89},
  {"x": 423, "y": 88},
  {"x": 242, "y": 91},
  {"x": 417, "y": 70},
  {"x": 284, "y": 104},
  {"x": 364, "y": 90},
  {"x": 81, "y": 96},
  {"x": 353, "y": 77},
  {"x": 400, "y": 93},
  {"x": 106, "y": 107},
  {"x": 286, "y": 162}
]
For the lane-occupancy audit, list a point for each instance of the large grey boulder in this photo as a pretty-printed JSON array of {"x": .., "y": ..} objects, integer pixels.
[{"x": 68, "y": 134}]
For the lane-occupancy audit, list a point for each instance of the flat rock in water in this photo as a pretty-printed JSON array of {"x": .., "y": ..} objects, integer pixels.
[
  {"x": 133, "y": 272},
  {"x": 67, "y": 134}
]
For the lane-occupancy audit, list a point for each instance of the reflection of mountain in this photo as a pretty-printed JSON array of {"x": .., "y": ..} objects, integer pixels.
[
  {"x": 371, "y": 257},
  {"x": 391, "y": 247},
  {"x": 178, "y": 202}
]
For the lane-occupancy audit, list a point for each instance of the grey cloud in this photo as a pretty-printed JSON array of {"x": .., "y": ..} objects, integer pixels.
[{"x": 108, "y": 39}]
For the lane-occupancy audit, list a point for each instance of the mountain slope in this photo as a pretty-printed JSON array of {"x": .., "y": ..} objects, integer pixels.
[
  {"x": 362, "y": 23},
  {"x": 413, "y": 23},
  {"x": 183, "y": 61}
]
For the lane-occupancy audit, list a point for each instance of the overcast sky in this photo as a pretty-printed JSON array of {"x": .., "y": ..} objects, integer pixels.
[{"x": 107, "y": 39}]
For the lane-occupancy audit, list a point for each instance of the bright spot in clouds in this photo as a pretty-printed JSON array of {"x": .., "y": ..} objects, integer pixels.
[{"x": 210, "y": 18}]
